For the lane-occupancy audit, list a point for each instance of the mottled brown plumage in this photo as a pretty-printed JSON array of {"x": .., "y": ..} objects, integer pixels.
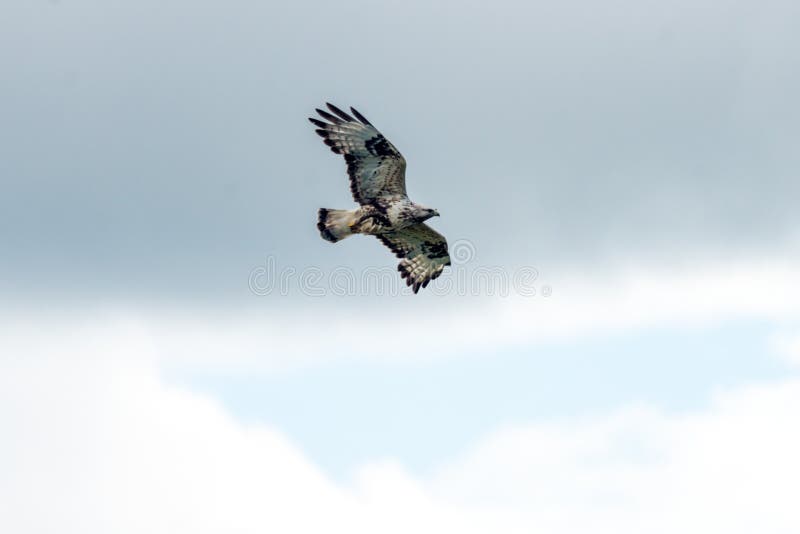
[{"x": 378, "y": 183}]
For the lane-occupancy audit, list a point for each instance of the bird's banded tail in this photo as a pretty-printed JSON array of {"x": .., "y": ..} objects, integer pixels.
[{"x": 335, "y": 225}]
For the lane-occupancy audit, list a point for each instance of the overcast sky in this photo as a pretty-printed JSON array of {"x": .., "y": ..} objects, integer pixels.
[
  {"x": 636, "y": 161},
  {"x": 143, "y": 136}
]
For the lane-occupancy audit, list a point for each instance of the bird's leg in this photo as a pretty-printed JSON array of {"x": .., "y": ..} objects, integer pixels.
[
  {"x": 364, "y": 217},
  {"x": 359, "y": 220}
]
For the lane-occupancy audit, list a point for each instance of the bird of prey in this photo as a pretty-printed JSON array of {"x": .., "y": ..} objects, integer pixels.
[{"x": 378, "y": 183}]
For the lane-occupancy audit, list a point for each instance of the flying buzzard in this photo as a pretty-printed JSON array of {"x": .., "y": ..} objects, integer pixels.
[{"x": 378, "y": 183}]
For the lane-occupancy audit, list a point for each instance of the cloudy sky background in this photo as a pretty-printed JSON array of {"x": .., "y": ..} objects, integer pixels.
[{"x": 639, "y": 157}]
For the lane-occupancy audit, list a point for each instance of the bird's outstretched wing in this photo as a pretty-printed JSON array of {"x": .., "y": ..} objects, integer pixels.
[
  {"x": 376, "y": 168},
  {"x": 423, "y": 251}
]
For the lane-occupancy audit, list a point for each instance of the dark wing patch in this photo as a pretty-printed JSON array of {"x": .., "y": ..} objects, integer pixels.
[
  {"x": 423, "y": 251},
  {"x": 376, "y": 168}
]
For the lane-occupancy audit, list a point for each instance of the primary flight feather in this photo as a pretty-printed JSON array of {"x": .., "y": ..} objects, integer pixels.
[{"x": 377, "y": 173}]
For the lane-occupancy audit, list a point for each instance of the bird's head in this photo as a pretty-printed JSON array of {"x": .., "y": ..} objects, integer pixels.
[{"x": 423, "y": 213}]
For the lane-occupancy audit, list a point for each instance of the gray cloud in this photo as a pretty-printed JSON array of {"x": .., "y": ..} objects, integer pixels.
[{"x": 162, "y": 149}]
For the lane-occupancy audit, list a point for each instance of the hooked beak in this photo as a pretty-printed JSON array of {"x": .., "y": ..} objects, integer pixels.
[{"x": 436, "y": 213}]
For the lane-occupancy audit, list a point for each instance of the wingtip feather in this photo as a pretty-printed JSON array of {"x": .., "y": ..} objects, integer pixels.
[
  {"x": 360, "y": 117},
  {"x": 340, "y": 113},
  {"x": 327, "y": 116}
]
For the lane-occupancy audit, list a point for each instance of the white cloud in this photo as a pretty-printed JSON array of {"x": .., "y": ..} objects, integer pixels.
[
  {"x": 95, "y": 442},
  {"x": 580, "y": 305},
  {"x": 730, "y": 468}
]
